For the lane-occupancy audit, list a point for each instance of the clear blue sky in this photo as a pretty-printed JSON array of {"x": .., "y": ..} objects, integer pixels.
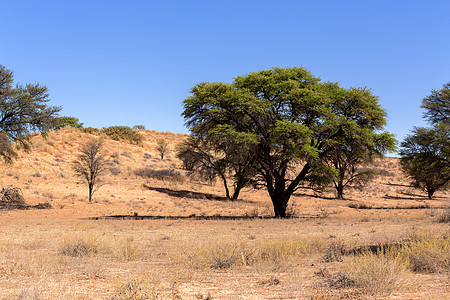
[{"x": 133, "y": 62}]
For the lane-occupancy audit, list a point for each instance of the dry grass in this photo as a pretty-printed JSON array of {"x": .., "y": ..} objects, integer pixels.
[
  {"x": 65, "y": 253},
  {"x": 378, "y": 273},
  {"x": 427, "y": 251}
]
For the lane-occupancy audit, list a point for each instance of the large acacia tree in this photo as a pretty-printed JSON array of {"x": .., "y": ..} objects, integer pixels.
[
  {"x": 23, "y": 110},
  {"x": 357, "y": 138},
  {"x": 284, "y": 117},
  {"x": 425, "y": 158},
  {"x": 425, "y": 154}
]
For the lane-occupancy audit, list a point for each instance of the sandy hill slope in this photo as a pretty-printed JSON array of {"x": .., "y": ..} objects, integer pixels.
[{"x": 45, "y": 175}]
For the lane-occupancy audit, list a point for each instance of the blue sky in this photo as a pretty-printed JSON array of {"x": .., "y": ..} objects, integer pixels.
[{"x": 133, "y": 62}]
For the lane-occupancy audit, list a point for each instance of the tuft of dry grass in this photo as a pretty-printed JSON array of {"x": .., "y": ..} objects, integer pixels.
[
  {"x": 81, "y": 246},
  {"x": 427, "y": 252},
  {"x": 377, "y": 273},
  {"x": 289, "y": 248},
  {"x": 228, "y": 254},
  {"x": 444, "y": 217},
  {"x": 223, "y": 255},
  {"x": 126, "y": 249},
  {"x": 135, "y": 289}
]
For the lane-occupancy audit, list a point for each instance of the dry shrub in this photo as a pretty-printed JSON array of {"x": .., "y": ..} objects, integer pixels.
[
  {"x": 444, "y": 217},
  {"x": 81, "y": 246},
  {"x": 427, "y": 251},
  {"x": 136, "y": 289},
  {"x": 44, "y": 144},
  {"x": 377, "y": 273},
  {"x": 115, "y": 170},
  {"x": 127, "y": 250},
  {"x": 162, "y": 174},
  {"x": 223, "y": 255},
  {"x": 11, "y": 198},
  {"x": 228, "y": 254},
  {"x": 334, "y": 252},
  {"x": 289, "y": 248}
]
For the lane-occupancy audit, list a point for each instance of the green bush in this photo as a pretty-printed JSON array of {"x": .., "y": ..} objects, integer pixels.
[
  {"x": 90, "y": 130},
  {"x": 123, "y": 133},
  {"x": 62, "y": 122}
]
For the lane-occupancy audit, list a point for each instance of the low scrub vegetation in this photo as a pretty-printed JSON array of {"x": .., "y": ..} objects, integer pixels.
[
  {"x": 11, "y": 198},
  {"x": 81, "y": 246},
  {"x": 162, "y": 174},
  {"x": 444, "y": 217},
  {"x": 378, "y": 273},
  {"x": 228, "y": 254},
  {"x": 127, "y": 250},
  {"x": 427, "y": 252},
  {"x": 90, "y": 130},
  {"x": 137, "y": 289},
  {"x": 123, "y": 133},
  {"x": 384, "y": 269}
]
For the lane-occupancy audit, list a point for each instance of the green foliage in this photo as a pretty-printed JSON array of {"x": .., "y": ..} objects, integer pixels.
[
  {"x": 437, "y": 105},
  {"x": 90, "y": 130},
  {"x": 23, "y": 110},
  {"x": 139, "y": 127},
  {"x": 355, "y": 137},
  {"x": 425, "y": 158},
  {"x": 6, "y": 148},
  {"x": 123, "y": 133},
  {"x": 61, "y": 122},
  {"x": 425, "y": 154},
  {"x": 282, "y": 119}
]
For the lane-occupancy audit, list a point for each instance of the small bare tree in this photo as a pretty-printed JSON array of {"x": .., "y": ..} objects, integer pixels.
[
  {"x": 162, "y": 147},
  {"x": 90, "y": 165}
]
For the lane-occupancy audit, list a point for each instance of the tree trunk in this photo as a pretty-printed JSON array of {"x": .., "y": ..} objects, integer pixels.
[
  {"x": 430, "y": 193},
  {"x": 91, "y": 189},
  {"x": 279, "y": 199},
  {"x": 340, "y": 190},
  {"x": 239, "y": 185},
  {"x": 279, "y": 207},
  {"x": 225, "y": 184},
  {"x": 280, "y": 194},
  {"x": 236, "y": 192}
]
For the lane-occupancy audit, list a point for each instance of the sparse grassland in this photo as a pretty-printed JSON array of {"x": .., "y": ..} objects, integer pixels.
[{"x": 383, "y": 241}]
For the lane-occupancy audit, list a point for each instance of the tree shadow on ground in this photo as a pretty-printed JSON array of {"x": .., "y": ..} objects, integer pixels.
[
  {"x": 397, "y": 184},
  {"x": 190, "y": 217},
  {"x": 193, "y": 195},
  {"x": 313, "y": 196},
  {"x": 218, "y": 217},
  {"x": 405, "y": 197}
]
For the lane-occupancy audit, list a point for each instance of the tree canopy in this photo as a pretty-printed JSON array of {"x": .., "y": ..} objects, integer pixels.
[
  {"x": 425, "y": 158},
  {"x": 23, "y": 110},
  {"x": 437, "y": 105},
  {"x": 288, "y": 120},
  {"x": 64, "y": 121},
  {"x": 425, "y": 154}
]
